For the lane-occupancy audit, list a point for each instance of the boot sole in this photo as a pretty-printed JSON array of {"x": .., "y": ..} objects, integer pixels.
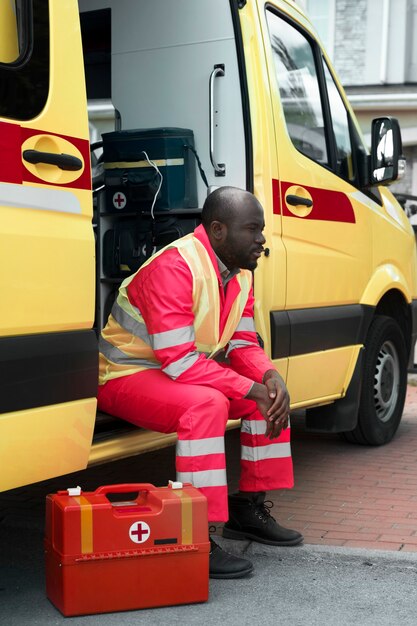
[
  {"x": 241, "y": 536},
  {"x": 240, "y": 574}
]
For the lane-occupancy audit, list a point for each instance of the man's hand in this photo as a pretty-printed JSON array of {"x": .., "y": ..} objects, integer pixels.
[
  {"x": 273, "y": 402},
  {"x": 278, "y": 412}
]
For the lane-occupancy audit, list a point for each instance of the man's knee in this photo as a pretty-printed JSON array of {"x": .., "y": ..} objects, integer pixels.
[
  {"x": 206, "y": 414},
  {"x": 213, "y": 400}
]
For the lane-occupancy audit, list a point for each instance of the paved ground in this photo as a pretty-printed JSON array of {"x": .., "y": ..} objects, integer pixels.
[{"x": 354, "y": 496}]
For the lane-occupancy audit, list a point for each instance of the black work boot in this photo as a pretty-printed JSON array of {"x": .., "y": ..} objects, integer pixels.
[
  {"x": 225, "y": 565},
  {"x": 250, "y": 518}
]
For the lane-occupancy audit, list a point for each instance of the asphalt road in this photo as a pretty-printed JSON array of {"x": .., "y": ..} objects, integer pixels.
[
  {"x": 306, "y": 585},
  {"x": 303, "y": 585}
]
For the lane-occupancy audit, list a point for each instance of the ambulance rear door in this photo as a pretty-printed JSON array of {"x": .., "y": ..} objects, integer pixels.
[{"x": 48, "y": 353}]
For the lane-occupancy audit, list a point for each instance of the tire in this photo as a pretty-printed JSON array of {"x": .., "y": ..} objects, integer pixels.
[{"x": 384, "y": 384}]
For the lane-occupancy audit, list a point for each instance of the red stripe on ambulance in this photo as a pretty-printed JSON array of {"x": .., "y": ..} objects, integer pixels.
[
  {"x": 12, "y": 165},
  {"x": 328, "y": 205},
  {"x": 10, "y": 153},
  {"x": 83, "y": 145}
]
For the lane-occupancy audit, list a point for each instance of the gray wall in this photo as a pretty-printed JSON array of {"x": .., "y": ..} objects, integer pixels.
[{"x": 350, "y": 40}]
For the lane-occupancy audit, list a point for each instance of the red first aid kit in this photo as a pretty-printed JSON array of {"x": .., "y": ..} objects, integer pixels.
[{"x": 148, "y": 549}]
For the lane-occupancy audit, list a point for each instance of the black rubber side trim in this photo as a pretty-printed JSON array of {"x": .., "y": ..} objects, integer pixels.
[
  {"x": 44, "y": 369},
  {"x": 280, "y": 334},
  {"x": 340, "y": 416},
  {"x": 301, "y": 331},
  {"x": 411, "y": 363}
]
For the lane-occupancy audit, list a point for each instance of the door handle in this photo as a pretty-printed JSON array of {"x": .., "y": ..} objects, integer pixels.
[
  {"x": 219, "y": 168},
  {"x": 63, "y": 161},
  {"x": 298, "y": 200}
]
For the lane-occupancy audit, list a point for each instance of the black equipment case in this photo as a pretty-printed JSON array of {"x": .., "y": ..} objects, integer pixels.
[
  {"x": 130, "y": 242},
  {"x": 132, "y": 182}
]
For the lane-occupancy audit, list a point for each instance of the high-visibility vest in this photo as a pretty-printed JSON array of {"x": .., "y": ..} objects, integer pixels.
[{"x": 125, "y": 346}]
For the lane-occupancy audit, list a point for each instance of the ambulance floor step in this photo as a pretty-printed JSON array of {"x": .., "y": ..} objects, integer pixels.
[{"x": 116, "y": 439}]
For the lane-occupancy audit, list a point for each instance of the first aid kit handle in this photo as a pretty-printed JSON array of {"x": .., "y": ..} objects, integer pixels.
[{"x": 125, "y": 488}]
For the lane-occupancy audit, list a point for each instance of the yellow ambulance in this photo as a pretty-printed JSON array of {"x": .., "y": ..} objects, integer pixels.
[{"x": 336, "y": 290}]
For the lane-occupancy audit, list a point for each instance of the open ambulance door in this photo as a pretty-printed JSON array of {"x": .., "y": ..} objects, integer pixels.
[
  {"x": 326, "y": 223},
  {"x": 48, "y": 350}
]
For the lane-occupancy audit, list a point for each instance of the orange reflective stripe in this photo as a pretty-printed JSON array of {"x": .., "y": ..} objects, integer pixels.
[
  {"x": 86, "y": 511},
  {"x": 186, "y": 516},
  {"x": 131, "y": 345}
]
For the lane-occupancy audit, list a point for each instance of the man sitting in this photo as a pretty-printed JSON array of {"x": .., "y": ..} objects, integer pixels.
[{"x": 158, "y": 369}]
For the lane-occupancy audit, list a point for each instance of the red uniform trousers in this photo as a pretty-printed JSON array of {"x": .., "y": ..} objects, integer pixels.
[{"x": 199, "y": 414}]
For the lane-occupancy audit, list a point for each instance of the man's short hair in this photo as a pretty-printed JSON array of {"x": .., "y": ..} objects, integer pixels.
[{"x": 220, "y": 205}]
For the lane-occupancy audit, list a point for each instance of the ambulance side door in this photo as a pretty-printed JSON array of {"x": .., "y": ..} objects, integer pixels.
[
  {"x": 326, "y": 226},
  {"x": 48, "y": 350}
]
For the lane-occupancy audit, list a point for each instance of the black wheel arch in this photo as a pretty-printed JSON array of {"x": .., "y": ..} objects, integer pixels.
[{"x": 393, "y": 304}]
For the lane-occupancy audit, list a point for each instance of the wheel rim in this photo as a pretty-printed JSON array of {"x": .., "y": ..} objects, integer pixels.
[{"x": 387, "y": 380}]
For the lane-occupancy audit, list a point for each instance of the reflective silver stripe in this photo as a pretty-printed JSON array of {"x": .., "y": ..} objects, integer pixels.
[
  {"x": 246, "y": 323},
  {"x": 138, "y": 329},
  {"x": 200, "y": 447},
  {"x": 253, "y": 427},
  {"x": 207, "y": 478},
  {"x": 239, "y": 343},
  {"x": 118, "y": 357},
  {"x": 40, "y": 198},
  {"x": 272, "y": 451},
  {"x": 182, "y": 365},
  {"x": 170, "y": 338}
]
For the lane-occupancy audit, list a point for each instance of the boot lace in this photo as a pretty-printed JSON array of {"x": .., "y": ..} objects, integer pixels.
[{"x": 263, "y": 511}]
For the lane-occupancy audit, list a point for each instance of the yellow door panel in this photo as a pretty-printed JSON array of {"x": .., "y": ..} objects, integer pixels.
[
  {"x": 303, "y": 385},
  {"x": 45, "y": 442}
]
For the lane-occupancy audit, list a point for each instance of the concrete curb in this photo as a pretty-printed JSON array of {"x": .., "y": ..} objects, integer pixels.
[{"x": 307, "y": 551}]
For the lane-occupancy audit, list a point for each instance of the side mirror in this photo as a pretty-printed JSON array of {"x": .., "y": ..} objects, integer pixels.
[{"x": 387, "y": 160}]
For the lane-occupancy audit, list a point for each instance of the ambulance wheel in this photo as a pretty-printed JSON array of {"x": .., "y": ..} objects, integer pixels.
[{"x": 384, "y": 384}]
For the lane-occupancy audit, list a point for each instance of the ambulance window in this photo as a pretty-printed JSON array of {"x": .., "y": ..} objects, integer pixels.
[
  {"x": 24, "y": 58},
  {"x": 299, "y": 88},
  {"x": 340, "y": 124}
]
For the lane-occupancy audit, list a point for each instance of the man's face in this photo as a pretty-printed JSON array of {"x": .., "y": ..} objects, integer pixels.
[{"x": 243, "y": 240}]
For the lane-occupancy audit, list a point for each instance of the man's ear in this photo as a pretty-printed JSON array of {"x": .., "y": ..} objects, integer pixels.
[{"x": 218, "y": 230}]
